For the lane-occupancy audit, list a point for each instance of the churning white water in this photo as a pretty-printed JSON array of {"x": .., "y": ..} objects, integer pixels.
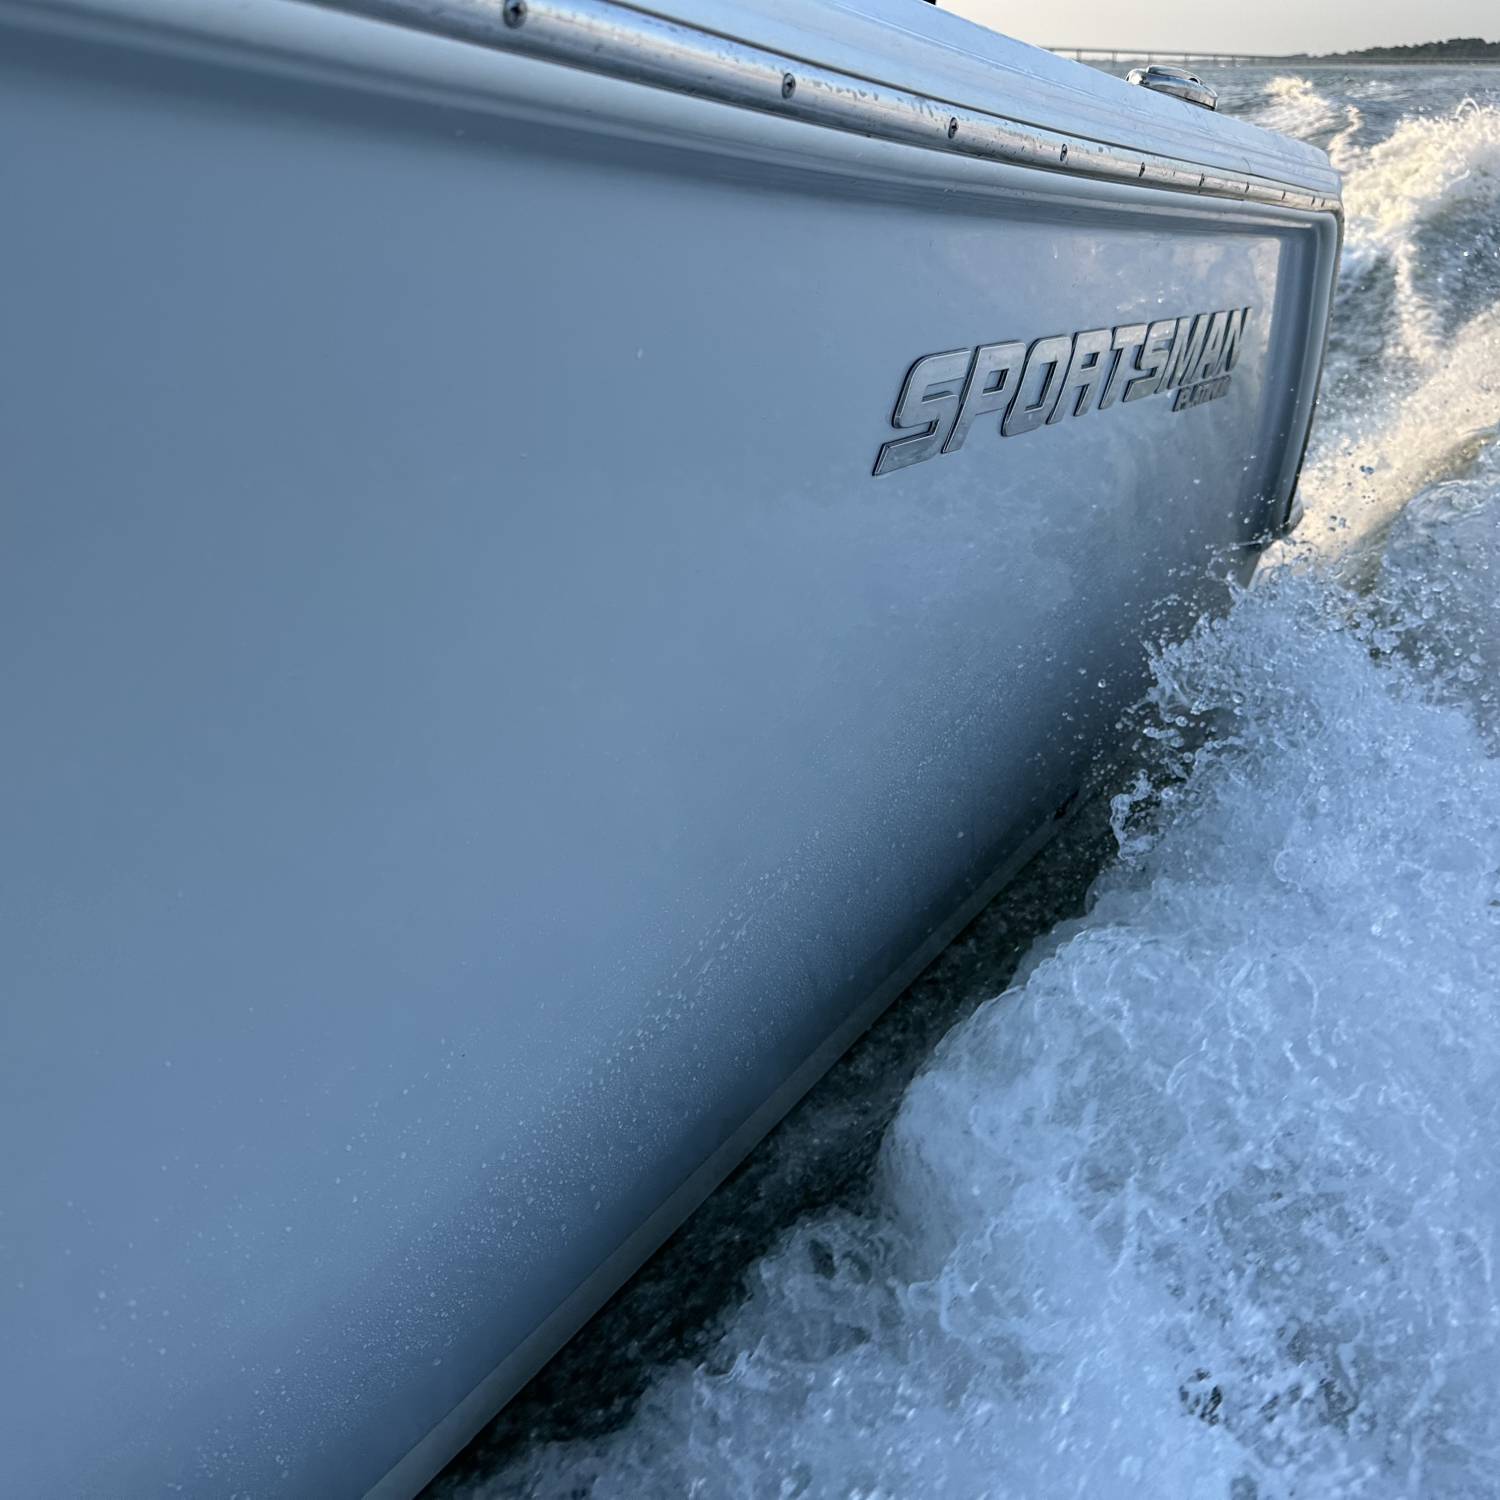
[{"x": 1207, "y": 1203}]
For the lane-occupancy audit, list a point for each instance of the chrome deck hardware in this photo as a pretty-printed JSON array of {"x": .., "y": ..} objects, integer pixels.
[{"x": 1165, "y": 78}]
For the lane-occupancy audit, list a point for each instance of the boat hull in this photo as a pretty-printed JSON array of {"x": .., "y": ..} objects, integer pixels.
[{"x": 483, "y": 736}]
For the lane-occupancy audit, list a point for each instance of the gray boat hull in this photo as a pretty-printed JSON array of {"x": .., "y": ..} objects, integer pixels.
[{"x": 480, "y": 737}]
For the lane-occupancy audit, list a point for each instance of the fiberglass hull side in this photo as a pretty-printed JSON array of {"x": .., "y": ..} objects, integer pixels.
[{"x": 482, "y": 737}]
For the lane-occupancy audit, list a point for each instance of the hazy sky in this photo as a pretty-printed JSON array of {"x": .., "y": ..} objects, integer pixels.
[{"x": 1254, "y": 25}]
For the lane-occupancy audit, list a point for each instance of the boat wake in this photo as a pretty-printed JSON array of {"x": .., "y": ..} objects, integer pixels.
[
  {"x": 1208, "y": 1202},
  {"x": 1412, "y": 389},
  {"x": 1294, "y": 106}
]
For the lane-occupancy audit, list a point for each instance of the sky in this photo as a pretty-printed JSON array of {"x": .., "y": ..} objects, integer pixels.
[{"x": 1272, "y": 26}]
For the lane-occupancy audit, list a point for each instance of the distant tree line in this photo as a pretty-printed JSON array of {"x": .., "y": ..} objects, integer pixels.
[{"x": 1455, "y": 49}]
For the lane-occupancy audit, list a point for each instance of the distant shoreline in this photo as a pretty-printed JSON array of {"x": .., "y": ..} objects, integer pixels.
[
  {"x": 1459, "y": 50},
  {"x": 1467, "y": 49},
  {"x": 1358, "y": 60}
]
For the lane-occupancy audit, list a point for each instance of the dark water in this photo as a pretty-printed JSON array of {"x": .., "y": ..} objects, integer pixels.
[{"x": 1179, "y": 1175}]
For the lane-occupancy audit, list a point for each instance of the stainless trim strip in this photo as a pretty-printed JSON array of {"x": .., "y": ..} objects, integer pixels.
[{"x": 605, "y": 36}]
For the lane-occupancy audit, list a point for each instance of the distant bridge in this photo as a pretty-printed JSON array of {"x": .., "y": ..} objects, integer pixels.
[{"x": 1157, "y": 54}]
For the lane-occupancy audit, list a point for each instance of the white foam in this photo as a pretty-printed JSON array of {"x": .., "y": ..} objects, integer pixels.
[
  {"x": 1427, "y": 167},
  {"x": 1295, "y": 106},
  {"x": 1429, "y": 396},
  {"x": 1426, "y": 424}
]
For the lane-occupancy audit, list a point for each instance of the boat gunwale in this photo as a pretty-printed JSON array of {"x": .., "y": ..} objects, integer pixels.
[{"x": 625, "y": 42}]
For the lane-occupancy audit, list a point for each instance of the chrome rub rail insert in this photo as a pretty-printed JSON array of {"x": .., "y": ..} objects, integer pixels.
[{"x": 604, "y": 36}]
